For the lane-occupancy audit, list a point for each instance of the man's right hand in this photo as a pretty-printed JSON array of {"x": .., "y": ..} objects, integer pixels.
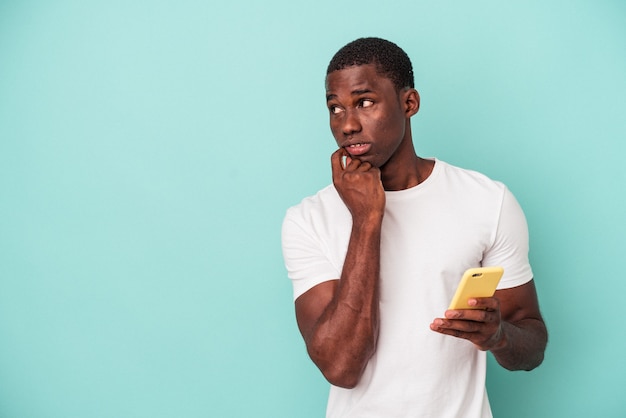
[
  {"x": 339, "y": 319},
  {"x": 359, "y": 185}
]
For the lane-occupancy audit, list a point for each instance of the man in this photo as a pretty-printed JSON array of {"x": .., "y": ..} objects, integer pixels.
[{"x": 375, "y": 258}]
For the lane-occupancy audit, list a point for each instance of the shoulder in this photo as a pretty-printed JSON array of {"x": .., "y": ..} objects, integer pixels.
[
  {"x": 321, "y": 204},
  {"x": 465, "y": 185},
  {"x": 452, "y": 173},
  {"x": 322, "y": 217}
]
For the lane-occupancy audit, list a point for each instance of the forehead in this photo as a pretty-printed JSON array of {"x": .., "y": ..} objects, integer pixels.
[{"x": 357, "y": 78}]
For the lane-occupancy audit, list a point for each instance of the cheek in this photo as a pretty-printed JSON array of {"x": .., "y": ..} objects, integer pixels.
[
  {"x": 391, "y": 130},
  {"x": 334, "y": 129}
]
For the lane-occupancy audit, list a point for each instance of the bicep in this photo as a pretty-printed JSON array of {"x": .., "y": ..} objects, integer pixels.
[
  {"x": 310, "y": 306},
  {"x": 510, "y": 245},
  {"x": 519, "y": 303}
]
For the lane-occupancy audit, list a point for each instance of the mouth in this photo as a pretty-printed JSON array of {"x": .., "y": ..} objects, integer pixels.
[{"x": 358, "y": 148}]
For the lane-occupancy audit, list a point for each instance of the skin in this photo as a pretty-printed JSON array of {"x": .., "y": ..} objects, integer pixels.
[{"x": 339, "y": 319}]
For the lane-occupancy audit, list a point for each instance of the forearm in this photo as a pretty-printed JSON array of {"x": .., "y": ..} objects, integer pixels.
[
  {"x": 522, "y": 344},
  {"x": 344, "y": 338}
]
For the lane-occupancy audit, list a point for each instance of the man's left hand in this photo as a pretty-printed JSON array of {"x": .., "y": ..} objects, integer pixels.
[{"x": 482, "y": 326}]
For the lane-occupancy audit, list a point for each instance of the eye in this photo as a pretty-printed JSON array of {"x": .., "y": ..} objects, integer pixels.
[
  {"x": 334, "y": 109},
  {"x": 366, "y": 103}
]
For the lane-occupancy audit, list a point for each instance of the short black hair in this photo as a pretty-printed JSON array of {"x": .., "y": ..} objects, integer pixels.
[{"x": 390, "y": 60}]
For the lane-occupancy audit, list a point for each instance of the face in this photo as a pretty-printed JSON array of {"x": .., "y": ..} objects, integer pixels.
[{"x": 368, "y": 116}]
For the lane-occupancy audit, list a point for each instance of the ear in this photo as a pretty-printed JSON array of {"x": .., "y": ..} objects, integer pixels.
[{"x": 411, "y": 101}]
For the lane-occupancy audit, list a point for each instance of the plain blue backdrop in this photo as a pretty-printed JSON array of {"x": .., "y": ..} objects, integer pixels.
[{"x": 149, "y": 150}]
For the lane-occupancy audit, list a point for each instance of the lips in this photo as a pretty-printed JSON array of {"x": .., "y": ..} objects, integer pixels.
[{"x": 357, "y": 149}]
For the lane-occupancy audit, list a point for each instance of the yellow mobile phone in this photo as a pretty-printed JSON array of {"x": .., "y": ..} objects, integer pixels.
[{"x": 479, "y": 282}]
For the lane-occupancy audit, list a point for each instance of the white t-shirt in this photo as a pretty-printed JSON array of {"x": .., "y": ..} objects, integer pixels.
[{"x": 431, "y": 233}]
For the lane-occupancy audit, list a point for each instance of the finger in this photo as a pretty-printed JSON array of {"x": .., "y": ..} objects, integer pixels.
[
  {"x": 475, "y": 315},
  {"x": 444, "y": 327},
  {"x": 335, "y": 163},
  {"x": 345, "y": 161},
  {"x": 364, "y": 166},
  {"x": 480, "y": 334},
  {"x": 450, "y": 327},
  {"x": 480, "y": 341},
  {"x": 490, "y": 304},
  {"x": 335, "y": 158}
]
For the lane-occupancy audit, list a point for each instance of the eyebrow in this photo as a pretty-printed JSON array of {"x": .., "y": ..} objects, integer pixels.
[
  {"x": 353, "y": 93},
  {"x": 362, "y": 91}
]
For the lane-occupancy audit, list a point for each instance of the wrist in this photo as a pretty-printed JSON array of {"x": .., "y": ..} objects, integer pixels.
[{"x": 372, "y": 219}]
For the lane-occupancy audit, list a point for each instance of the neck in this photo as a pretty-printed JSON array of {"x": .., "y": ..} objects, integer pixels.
[
  {"x": 405, "y": 169},
  {"x": 415, "y": 173}
]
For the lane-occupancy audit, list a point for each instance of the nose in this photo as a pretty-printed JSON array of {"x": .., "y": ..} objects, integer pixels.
[{"x": 351, "y": 123}]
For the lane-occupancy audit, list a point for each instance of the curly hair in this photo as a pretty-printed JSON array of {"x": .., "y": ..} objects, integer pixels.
[{"x": 390, "y": 60}]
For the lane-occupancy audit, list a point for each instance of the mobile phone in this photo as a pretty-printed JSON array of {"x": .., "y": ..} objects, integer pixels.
[{"x": 478, "y": 282}]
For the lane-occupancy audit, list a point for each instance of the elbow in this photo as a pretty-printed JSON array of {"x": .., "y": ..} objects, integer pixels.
[
  {"x": 343, "y": 371},
  {"x": 342, "y": 364},
  {"x": 523, "y": 362},
  {"x": 342, "y": 377},
  {"x": 540, "y": 352},
  {"x": 526, "y": 351},
  {"x": 536, "y": 363},
  {"x": 526, "y": 366}
]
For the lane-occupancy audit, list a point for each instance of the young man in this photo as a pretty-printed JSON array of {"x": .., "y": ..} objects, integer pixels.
[{"x": 375, "y": 258}]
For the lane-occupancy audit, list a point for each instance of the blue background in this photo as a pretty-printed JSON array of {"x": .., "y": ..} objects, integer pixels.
[{"x": 149, "y": 150}]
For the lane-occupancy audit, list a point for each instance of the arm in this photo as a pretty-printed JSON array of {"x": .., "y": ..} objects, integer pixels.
[
  {"x": 509, "y": 325},
  {"x": 339, "y": 319}
]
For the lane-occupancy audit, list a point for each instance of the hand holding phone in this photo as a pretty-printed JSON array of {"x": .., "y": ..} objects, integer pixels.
[{"x": 479, "y": 282}]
